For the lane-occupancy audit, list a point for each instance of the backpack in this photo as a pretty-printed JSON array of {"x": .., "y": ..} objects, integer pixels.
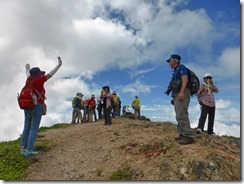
[
  {"x": 92, "y": 104},
  {"x": 77, "y": 102},
  {"x": 115, "y": 100},
  {"x": 27, "y": 99},
  {"x": 193, "y": 83}
]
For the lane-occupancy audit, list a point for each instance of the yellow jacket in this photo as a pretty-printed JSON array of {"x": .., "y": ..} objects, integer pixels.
[{"x": 136, "y": 103}]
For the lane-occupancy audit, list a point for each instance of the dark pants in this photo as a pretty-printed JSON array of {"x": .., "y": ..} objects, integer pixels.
[
  {"x": 107, "y": 115},
  {"x": 210, "y": 111}
]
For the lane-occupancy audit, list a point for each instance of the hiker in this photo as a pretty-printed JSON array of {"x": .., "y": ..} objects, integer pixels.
[
  {"x": 107, "y": 104},
  {"x": 125, "y": 109},
  {"x": 206, "y": 100},
  {"x": 136, "y": 105},
  {"x": 33, "y": 116},
  {"x": 86, "y": 110},
  {"x": 92, "y": 107},
  {"x": 181, "y": 99},
  {"x": 115, "y": 105},
  {"x": 99, "y": 109},
  {"x": 77, "y": 106}
]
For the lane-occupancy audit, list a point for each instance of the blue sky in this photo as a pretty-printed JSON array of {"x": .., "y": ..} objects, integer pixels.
[{"x": 123, "y": 44}]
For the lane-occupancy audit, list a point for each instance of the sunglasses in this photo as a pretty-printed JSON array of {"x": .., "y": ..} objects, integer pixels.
[{"x": 208, "y": 77}]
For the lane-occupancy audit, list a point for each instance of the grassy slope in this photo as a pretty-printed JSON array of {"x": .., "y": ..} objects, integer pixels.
[{"x": 13, "y": 165}]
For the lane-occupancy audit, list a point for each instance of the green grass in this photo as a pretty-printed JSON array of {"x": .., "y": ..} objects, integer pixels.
[
  {"x": 13, "y": 165},
  {"x": 56, "y": 126},
  {"x": 125, "y": 173}
]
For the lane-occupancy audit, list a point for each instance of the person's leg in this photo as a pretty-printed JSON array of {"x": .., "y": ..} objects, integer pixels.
[
  {"x": 37, "y": 115},
  {"x": 114, "y": 112},
  {"x": 27, "y": 127},
  {"x": 105, "y": 116},
  {"x": 79, "y": 116},
  {"x": 135, "y": 112},
  {"x": 182, "y": 116},
  {"x": 73, "y": 116},
  {"x": 84, "y": 115},
  {"x": 211, "y": 116},
  {"x": 109, "y": 120},
  {"x": 203, "y": 116},
  {"x": 139, "y": 113},
  {"x": 95, "y": 115}
]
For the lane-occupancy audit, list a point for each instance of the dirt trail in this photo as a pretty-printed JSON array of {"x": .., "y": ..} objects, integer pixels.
[{"x": 82, "y": 151}]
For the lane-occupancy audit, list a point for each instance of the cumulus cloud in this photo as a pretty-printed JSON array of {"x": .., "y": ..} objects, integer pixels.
[
  {"x": 92, "y": 36},
  {"x": 229, "y": 62},
  {"x": 223, "y": 115}
]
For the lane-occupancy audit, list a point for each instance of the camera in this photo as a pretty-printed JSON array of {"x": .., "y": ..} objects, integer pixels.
[{"x": 169, "y": 89}]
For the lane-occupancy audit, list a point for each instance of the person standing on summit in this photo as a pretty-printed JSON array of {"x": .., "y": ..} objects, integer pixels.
[
  {"x": 181, "y": 99},
  {"x": 33, "y": 116},
  {"x": 107, "y": 104},
  {"x": 136, "y": 105},
  {"x": 207, "y": 102}
]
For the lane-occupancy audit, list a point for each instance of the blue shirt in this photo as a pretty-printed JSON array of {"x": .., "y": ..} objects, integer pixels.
[{"x": 179, "y": 71}]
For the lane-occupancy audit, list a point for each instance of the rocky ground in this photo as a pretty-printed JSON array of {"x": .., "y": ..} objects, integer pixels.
[{"x": 140, "y": 149}]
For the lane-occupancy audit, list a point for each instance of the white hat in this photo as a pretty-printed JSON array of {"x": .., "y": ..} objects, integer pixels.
[{"x": 207, "y": 75}]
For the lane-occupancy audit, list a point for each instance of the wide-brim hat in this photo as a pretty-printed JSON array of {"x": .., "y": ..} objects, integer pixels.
[{"x": 36, "y": 72}]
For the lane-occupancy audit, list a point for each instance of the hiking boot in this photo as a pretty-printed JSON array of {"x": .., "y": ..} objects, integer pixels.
[
  {"x": 199, "y": 130},
  {"x": 30, "y": 153},
  {"x": 186, "y": 140},
  {"x": 179, "y": 137}
]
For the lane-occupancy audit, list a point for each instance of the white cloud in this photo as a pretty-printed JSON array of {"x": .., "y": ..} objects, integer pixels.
[
  {"x": 90, "y": 41},
  {"x": 227, "y": 119},
  {"x": 137, "y": 88},
  {"x": 230, "y": 61},
  {"x": 222, "y": 104}
]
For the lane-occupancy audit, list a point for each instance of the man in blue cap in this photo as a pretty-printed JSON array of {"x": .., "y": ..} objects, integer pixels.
[{"x": 181, "y": 95}]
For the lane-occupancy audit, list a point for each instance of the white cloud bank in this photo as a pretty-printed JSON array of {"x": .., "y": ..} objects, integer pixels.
[{"x": 223, "y": 114}]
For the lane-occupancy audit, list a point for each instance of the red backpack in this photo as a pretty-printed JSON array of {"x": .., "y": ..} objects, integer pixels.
[
  {"x": 92, "y": 103},
  {"x": 27, "y": 98}
]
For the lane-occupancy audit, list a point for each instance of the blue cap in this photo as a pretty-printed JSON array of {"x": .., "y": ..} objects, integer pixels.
[{"x": 174, "y": 56}]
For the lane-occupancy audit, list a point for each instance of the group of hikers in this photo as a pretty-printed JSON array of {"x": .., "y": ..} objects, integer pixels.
[{"x": 108, "y": 104}]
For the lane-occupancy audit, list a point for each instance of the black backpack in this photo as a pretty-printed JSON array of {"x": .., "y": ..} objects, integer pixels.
[{"x": 193, "y": 83}]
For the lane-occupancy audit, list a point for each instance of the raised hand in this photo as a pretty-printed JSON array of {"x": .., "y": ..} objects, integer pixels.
[
  {"x": 59, "y": 61},
  {"x": 27, "y": 66}
]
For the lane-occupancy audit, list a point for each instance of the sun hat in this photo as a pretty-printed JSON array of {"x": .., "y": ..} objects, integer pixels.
[
  {"x": 207, "y": 75},
  {"x": 36, "y": 72}
]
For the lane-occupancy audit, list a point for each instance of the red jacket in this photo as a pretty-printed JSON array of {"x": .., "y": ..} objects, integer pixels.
[{"x": 92, "y": 103}]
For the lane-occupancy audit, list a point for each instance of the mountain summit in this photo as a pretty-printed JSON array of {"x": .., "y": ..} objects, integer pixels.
[{"x": 133, "y": 150}]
